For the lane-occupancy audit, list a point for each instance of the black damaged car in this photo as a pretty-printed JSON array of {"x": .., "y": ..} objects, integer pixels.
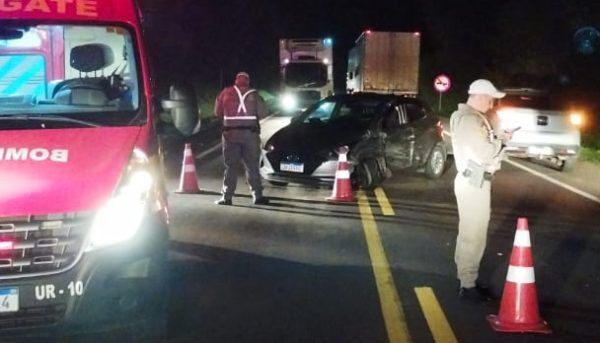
[{"x": 384, "y": 132}]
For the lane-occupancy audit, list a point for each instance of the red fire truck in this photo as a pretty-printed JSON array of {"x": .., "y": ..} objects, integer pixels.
[{"x": 83, "y": 214}]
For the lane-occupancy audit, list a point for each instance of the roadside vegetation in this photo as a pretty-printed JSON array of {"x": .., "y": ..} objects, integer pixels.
[{"x": 590, "y": 148}]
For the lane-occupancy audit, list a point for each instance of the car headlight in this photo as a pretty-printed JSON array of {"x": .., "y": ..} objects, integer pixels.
[
  {"x": 121, "y": 216},
  {"x": 269, "y": 147},
  {"x": 289, "y": 102},
  {"x": 576, "y": 118}
]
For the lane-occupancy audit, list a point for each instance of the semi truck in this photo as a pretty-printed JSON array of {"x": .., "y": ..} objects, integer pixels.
[
  {"x": 83, "y": 207},
  {"x": 384, "y": 62},
  {"x": 306, "y": 67}
]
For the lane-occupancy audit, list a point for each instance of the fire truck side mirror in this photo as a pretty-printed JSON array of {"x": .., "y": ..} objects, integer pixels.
[{"x": 183, "y": 109}]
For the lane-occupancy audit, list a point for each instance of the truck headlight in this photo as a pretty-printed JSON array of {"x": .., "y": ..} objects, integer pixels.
[
  {"x": 289, "y": 102},
  {"x": 120, "y": 218}
]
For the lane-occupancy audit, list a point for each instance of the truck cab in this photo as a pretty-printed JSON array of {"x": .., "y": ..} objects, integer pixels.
[
  {"x": 306, "y": 72},
  {"x": 83, "y": 211}
]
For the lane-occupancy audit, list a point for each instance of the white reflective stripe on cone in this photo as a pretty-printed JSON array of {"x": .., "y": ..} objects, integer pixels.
[
  {"x": 240, "y": 117},
  {"x": 188, "y": 153},
  {"x": 343, "y": 158},
  {"x": 342, "y": 174},
  {"x": 520, "y": 274},
  {"x": 522, "y": 239},
  {"x": 188, "y": 168}
]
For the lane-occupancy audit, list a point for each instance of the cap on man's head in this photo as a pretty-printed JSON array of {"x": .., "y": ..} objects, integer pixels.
[
  {"x": 485, "y": 87},
  {"x": 244, "y": 74}
]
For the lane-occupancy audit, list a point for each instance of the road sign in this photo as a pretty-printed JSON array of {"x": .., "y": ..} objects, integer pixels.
[{"x": 442, "y": 83}]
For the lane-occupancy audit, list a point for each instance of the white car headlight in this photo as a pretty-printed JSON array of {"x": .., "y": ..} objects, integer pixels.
[
  {"x": 269, "y": 147},
  {"x": 289, "y": 102},
  {"x": 120, "y": 218}
]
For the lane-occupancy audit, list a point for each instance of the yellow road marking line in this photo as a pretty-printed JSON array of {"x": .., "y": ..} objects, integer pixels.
[
  {"x": 384, "y": 203},
  {"x": 438, "y": 324},
  {"x": 393, "y": 314}
]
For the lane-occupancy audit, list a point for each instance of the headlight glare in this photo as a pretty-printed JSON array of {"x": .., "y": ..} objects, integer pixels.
[
  {"x": 120, "y": 218},
  {"x": 289, "y": 102},
  {"x": 576, "y": 119}
]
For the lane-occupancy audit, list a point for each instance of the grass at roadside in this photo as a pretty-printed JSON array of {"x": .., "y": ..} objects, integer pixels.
[{"x": 590, "y": 148}]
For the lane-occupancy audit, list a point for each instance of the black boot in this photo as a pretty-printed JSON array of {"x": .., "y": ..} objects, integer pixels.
[
  {"x": 224, "y": 201},
  {"x": 477, "y": 294},
  {"x": 261, "y": 201}
]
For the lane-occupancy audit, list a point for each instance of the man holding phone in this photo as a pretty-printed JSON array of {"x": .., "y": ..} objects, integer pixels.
[{"x": 477, "y": 155}]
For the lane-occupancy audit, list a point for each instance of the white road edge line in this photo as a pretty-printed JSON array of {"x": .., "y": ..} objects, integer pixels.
[
  {"x": 549, "y": 179},
  {"x": 207, "y": 152},
  {"x": 212, "y": 149},
  {"x": 556, "y": 182}
]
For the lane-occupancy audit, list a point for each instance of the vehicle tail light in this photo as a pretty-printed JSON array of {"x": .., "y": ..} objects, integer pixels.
[
  {"x": 6, "y": 245},
  {"x": 440, "y": 128},
  {"x": 576, "y": 118}
]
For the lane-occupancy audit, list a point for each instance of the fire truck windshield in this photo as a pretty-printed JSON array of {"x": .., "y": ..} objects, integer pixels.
[{"x": 87, "y": 73}]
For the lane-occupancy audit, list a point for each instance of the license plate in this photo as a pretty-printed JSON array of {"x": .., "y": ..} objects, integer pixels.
[
  {"x": 534, "y": 150},
  {"x": 9, "y": 300},
  {"x": 292, "y": 167}
]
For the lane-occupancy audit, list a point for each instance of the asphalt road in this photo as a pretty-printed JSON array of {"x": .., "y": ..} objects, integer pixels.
[{"x": 304, "y": 270}]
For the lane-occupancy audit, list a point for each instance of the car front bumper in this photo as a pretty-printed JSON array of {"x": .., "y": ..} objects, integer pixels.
[{"x": 323, "y": 175}]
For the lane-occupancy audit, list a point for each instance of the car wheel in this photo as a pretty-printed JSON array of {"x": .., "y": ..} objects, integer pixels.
[
  {"x": 367, "y": 174},
  {"x": 436, "y": 163},
  {"x": 567, "y": 164}
]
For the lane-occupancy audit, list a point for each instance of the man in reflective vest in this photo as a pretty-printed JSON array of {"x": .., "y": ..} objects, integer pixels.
[{"x": 240, "y": 108}]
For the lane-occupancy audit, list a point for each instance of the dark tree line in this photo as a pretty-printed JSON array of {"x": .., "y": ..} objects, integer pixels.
[{"x": 514, "y": 42}]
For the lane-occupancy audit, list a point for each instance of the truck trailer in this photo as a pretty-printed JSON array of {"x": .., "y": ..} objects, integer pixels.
[{"x": 384, "y": 62}]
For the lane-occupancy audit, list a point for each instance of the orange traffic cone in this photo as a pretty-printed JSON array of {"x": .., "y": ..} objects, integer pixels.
[
  {"x": 519, "y": 307},
  {"x": 188, "y": 183},
  {"x": 342, "y": 187}
]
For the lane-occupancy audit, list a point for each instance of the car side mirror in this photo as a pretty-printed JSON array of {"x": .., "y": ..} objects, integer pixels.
[{"x": 183, "y": 109}]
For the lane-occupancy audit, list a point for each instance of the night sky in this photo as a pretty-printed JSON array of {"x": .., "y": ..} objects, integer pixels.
[{"x": 511, "y": 42}]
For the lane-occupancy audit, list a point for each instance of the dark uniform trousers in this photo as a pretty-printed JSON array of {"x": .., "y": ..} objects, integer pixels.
[{"x": 241, "y": 145}]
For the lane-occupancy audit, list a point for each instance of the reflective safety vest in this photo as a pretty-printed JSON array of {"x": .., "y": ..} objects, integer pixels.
[{"x": 241, "y": 118}]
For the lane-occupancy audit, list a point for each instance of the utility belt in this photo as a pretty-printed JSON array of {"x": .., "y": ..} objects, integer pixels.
[
  {"x": 487, "y": 176},
  {"x": 249, "y": 128},
  {"x": 476, "y": 174}
]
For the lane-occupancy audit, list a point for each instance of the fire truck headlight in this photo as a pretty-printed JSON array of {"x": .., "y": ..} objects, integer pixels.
[
  {"x": 120, "y": 218},
  {"x": 289, "y": 102}
]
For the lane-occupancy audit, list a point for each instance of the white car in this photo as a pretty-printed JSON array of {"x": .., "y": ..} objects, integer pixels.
[{"x": 543, "y": 129}]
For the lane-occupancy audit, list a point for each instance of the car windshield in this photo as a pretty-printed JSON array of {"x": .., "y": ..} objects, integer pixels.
[
  {"x": 331, "y": 109},
  {"x": 85, "y": 73},
  {"x": 305, "y": 75},
  {"x": 534, "y": 101}
]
